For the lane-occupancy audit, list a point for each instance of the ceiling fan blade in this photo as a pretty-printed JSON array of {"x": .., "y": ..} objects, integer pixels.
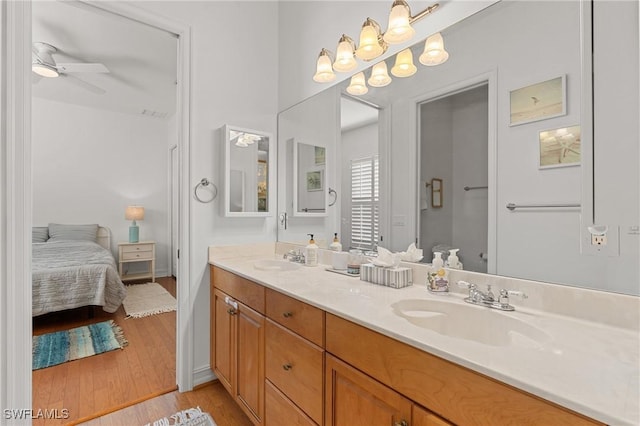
[
  {"x": 82, "y": 67},
  {"x": 81, "y": 83}
]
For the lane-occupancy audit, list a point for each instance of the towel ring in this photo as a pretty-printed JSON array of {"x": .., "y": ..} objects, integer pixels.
[
  {"x": 335, "y": 196},
  {"x": 202, "y": 184}
]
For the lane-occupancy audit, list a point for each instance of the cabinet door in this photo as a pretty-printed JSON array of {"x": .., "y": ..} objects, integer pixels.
[
  {"x": 223, "y": 341},
  {"x": 250, "y": 362},
  {"x": 355, "y": 399},
  {"x": 422, "y": 417}
]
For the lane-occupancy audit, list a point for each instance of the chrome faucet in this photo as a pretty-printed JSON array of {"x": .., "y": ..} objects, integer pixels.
[
  {"x": 477, "y": 297},
  {"x": 294, "y": 256}
]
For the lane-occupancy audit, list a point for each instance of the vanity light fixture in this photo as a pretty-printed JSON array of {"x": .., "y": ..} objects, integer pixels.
[
  {"x": 404, "y": 66},
  {"x": 379, "y": 76},
  {"x": 345, "y": 60},
  {"x": 371, "y": 43},
  {"x": 324, "y": 71},
  {"x": 399, "y": 29},
  {"x": 358, "y": 86},
  {"x": 434, "y": 53}
]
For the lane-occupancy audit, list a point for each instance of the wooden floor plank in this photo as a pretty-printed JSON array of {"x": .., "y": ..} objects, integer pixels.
[{"x": 105, "y": 382}]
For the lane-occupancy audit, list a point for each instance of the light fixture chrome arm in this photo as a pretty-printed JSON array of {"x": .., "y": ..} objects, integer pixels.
[{"x": 424, "y": 13}]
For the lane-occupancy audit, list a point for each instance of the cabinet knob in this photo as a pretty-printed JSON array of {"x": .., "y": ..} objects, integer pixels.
[
  {"x": 401, "y": 423},
  {"x": 287, "y": 314},
  {"x": 287, "y": 367},
  {"x": 231, "y": 311}
]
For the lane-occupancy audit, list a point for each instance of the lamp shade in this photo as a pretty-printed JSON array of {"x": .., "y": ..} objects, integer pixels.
[
  {"x": 358, "y": 86},
  {"x": 345, "y": 61},
  {"x": 324, "y": 72},
  {"x": 404, "y": 66},
  {"x": 134, "y": 213},
  {"x": 434, "y": 53},
  {"x": 379, "y": 76},
  {"x": 370, "y": 46},
  {"x": 399, "y": 29}
]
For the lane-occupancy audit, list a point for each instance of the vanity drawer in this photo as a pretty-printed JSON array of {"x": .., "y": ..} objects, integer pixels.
[
  {"x": 279, "y": 410},
  {"x": 247, "y": 292},
  {"x": 296, "y": 367},
  {"x": 300, "y": 317}
]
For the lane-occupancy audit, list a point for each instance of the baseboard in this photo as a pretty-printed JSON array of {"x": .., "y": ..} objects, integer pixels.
[{"x": 203, "y": 375}]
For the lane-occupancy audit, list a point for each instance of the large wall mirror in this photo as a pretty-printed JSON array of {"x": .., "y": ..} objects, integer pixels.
[
  {"x": 452, "y": 124},
  {"x": 248, "y": 159}
]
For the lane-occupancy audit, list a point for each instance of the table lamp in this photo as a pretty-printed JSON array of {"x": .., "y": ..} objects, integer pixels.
[{"x": 134, "y": 213}]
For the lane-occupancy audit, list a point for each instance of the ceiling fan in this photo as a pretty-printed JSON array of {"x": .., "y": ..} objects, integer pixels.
[{"x": 44, "y": 65}]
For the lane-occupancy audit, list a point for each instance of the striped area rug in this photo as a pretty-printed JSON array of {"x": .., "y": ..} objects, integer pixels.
[{"x": 62, "y": 346}]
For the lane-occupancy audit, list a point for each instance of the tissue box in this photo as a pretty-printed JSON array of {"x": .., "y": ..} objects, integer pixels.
[{"x": 390, "y": 277}]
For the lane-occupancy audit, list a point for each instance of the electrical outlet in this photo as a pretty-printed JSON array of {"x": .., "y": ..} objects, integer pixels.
[{"x": 599, "y": 240}]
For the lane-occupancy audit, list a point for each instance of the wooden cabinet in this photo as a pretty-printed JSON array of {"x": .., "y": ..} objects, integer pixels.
[
  {"x": 279, "y": 410},
  {"x": 237, "y": 345},
  {"x": 354, "y": 399},
  {"x": 294, "y": 359}
]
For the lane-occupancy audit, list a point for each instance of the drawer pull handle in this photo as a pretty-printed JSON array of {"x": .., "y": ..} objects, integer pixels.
[
  {"x": 231, "y": 311},
  {"x": 287, "y": 367},
  {"x": 401, "y": 423},
  {"x": 287, "y": 314}
]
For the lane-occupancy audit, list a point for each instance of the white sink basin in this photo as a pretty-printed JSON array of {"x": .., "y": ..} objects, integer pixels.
[
  {"x": 275, "y": 265},
  {"x": 464, "y": 321}
]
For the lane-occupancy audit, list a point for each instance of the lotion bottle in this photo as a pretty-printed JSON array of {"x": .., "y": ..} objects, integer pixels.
[
  {"x": 437, "y": 276},
  {"x": 311, "y": 252},
  {"x": 335, "y": 245}
]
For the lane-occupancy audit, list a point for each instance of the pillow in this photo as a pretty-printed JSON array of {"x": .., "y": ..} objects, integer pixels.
[
  {"x": 39, "y": 234},
  {"x": 59, "y": 232}
]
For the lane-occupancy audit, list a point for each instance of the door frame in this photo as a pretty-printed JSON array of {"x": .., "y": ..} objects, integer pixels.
[
  {"x": 490, "y": 79},
  {"x": 16, "y": 193}
]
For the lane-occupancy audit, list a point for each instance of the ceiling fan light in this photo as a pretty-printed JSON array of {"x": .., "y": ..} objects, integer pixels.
[
  {"x": 44, "y": 70},
  {"x": 371, "y": 45},
  {"x": 399, "y": 29},
  {"x": 379, "y": 76},
  {"x": 345, "y": 60},
  {"x": 434, "y": 53},
  {"x": 324, "y": 71},
  {"x": 404, "y": 66},
  {"x": 357, "y": 86}
]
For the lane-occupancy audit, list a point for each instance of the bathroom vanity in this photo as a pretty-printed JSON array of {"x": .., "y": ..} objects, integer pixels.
[{"x": 305, "y": 346}]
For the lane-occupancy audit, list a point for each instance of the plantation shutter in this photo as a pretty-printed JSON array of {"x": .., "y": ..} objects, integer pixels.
[{"x": 365, "y": 202}]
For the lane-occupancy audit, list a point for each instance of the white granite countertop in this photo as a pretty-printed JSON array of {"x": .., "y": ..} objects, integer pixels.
[{"x": 589, "y": 367}]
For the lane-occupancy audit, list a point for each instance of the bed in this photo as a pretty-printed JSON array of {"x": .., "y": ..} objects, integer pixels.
[{"x": 72, "y": 266}]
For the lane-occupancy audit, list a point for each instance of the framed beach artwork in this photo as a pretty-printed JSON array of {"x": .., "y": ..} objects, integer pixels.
[
  {"x": 560, "y": 147},
  {"x": 314, "y": 181},
  {"x": 320, "y": 155},
  {"x": 538, "y": 101}
]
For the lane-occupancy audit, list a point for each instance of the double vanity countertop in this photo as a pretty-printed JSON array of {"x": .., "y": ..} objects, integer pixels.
[{"x": 587, "y": 366}]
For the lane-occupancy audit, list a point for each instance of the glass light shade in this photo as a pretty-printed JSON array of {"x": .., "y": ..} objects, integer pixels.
[
  {"x": 134, "y": 213},
  {"x": 357, "y": 86},
  {"x": 345, "y": 61},
  {"x": 379, "y": 76},
  {"x": 404, "y": 64},
  {"x": 434, "y": 53},
  {"x": 369, "y": 47},
  {"x": 44, "y": 70},
  {"x": 324, "y": 71},
  {"x": 399, "y": 29}
]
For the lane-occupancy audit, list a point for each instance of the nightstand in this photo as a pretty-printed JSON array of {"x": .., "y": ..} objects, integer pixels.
[{"x": 143, "y": 251}]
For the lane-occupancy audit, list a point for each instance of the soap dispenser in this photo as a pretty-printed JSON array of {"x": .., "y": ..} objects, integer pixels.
[
  {"x": 335, "y": 245},
  {"x": 437, "y": 275},
  {"x": 452, "y": 261},
  {"x": 311, "y": 252}
]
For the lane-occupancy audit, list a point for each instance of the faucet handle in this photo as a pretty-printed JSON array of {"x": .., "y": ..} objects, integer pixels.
[
  {"x": 504, "y": 298},
  {"x": 464, "y": 284},
  {"x": 519, "y": 294}
]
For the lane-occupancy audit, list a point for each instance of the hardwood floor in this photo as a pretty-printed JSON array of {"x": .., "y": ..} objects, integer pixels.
[
  {"x": 212, "y": 398},
  {"x": 112, "y": 380}
]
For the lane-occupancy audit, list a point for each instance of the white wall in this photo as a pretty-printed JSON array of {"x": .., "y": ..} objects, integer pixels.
[
  {"x": 89, "y": 165},
  {"x": 234, "y": 63}
]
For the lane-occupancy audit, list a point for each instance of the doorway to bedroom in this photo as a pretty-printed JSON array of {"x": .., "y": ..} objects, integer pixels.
[{"x": 101, "y": 133}]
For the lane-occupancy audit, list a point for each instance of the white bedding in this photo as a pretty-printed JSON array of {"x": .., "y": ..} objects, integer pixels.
[{"x": 71, "y": 274}]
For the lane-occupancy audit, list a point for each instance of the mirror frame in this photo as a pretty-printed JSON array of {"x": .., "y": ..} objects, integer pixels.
[
  {"x": 296, "y": 211},
  {"x": 226, "y": 180}
]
